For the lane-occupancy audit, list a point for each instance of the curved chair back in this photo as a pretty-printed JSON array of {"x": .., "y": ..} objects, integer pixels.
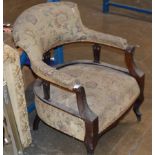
[{"x": 47, "y": 25}]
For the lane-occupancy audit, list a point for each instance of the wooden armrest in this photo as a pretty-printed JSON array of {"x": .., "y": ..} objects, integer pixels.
[{"x": 85, "y": 112}]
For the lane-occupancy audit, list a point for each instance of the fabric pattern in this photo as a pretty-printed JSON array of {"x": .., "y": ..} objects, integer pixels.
[
  {"x": 61, "y": 120},
  {"x": 13, "y": 77},
  {"x": 109, "y": 92},
  {"x": 47, "y": 25}
]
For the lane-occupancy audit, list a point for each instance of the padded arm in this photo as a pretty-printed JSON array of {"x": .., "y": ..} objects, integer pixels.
[
  {"x": 52, "y": 75},
  {"x": 105, "y": 39},
  {"x": 65, "y": 81}
]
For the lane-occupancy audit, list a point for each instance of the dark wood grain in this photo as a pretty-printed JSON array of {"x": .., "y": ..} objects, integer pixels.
[
  {"x": 139, "y": 75},
  {"x": 90, "y": 118},
  {"x": 96, "y": 53}
]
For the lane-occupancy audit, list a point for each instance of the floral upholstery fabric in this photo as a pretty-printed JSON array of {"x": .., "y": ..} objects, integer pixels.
[
  {"x": 48, "y": 25},
  {"x": 60, "y": 120},
  {"x": 109, "y": 92},
  {"x": 13, "y": 77}
]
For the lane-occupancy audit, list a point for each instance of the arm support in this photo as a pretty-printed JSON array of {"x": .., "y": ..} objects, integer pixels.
[
  {"x": 84, "y": 110},
  {"x": 134, "y": 70}
]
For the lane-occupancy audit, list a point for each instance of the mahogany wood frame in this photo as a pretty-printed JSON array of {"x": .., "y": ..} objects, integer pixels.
[{"x": 91, "y": 120}]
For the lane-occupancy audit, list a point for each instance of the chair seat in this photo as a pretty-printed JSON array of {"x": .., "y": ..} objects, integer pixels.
[{"x": 109, "y": 92}]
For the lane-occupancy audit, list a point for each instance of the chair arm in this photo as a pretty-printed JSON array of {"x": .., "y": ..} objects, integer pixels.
[
  {"x": 64, "y": 81},
  {"x": 85, "y": 112},
  {"x": 52, "y": 75},
  {"x": 105, "y": 39}
]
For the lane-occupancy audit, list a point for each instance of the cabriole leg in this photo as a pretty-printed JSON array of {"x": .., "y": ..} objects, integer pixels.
[
  {"x": 139, "y": 101},
  {"x": 138, "y": 74}
]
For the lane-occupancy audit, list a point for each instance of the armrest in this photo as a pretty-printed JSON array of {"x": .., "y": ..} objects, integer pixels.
[
  {"x": 85, "y": 112},
  {"x": 50, "y": 74},
  {"x": 64, "y": 81},
  {"x": 105, "y": 39}
]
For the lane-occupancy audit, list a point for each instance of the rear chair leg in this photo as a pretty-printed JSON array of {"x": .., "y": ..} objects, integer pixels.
[
  {"x": 36, "y": 122},
  {"x": 91, "y": 137}
]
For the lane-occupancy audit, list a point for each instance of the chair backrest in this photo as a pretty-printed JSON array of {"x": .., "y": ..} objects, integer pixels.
[{"x": 47, "y": 25}]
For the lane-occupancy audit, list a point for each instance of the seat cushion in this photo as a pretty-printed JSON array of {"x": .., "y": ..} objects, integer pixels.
[{"x": 109, "y": 92}]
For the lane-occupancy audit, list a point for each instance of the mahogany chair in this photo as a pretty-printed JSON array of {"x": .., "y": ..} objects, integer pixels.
[{"x": 82, "y": 99}]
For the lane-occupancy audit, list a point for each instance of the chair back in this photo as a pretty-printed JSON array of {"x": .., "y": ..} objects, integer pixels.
[{"x": 47, "y": 25}]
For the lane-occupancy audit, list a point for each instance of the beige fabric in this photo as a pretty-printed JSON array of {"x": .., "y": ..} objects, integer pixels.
[
  {"x": 28, "y": 77},
  {"x": 51, "y": 74},
  {"x": 109, "y": 93},
  {"x": 61, "y": 120},
  {"x": 13, "y": 77},
  {"x": 48, "y": 25}
]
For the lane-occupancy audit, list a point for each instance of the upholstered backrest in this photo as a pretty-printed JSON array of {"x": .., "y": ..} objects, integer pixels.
[{"x": 47, "y": 25}]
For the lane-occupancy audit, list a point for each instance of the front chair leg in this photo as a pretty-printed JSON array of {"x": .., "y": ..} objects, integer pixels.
[
  {"x": 90, "y": 119},
  {"x": 140, "y": 99},
  {"x": 136, "y": 110},
  {"x": 89, "y": 150},
  {"x": 138, "y": 75},
  {"x": 36, "y": 122}
]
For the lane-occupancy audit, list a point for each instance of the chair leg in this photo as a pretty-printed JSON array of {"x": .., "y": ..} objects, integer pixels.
[
  {"x": 91, "y": 141},
  {"x": 136, "y": 108},
  {"x": 89, "y": 151},
  {"x": 138, "y": 74},
  {"x": 36, "y": 122},
  {"x": 140, "y": 99}
]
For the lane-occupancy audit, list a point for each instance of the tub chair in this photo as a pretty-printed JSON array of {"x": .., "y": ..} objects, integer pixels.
[{"x": 82, "y": 99}]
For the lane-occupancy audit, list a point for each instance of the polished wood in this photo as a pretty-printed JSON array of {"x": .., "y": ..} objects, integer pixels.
[
  {"x": 90, "y": 119},
  {"x": 96, "y": 52},
  {"x": 138, "y": 74}
]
